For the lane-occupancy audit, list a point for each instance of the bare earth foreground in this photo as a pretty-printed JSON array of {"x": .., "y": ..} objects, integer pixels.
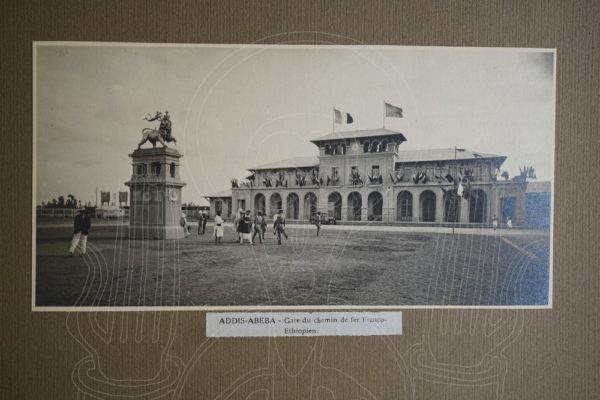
[{"x": 345, "y": 265}]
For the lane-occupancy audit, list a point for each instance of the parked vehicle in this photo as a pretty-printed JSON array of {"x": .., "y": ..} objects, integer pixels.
[{"x": 324, "y": 217}]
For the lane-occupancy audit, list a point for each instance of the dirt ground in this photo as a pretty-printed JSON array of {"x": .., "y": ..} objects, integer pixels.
[{"x": 343, "y": 266}]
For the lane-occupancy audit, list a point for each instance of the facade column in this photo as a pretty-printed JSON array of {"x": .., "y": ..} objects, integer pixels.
[
  {"x": 520, "y": 208},
  {"x": 494, "y": 201},
  {"x": 464, "y": 211},
  {"x": 439, "y": 206},
  {"x": 364, "y": 213},
  {"x": 344, "y": 213},
  {"x": 267, "y": 204},
  {"x": 234, "y": 202},
  {"x": 321, "y": 200},
  {"x": 416, "y": 205},
  {"x": 388, "y": 206}
]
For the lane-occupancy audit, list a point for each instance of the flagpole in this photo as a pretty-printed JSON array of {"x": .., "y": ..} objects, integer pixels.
[
  {"x": 333, "y": 120},
  {"x": 383, "y": 115},
  {"x": 454, "y": 201}
]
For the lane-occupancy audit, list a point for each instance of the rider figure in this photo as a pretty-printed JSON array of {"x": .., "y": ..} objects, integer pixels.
[{"x": 165, "y": 125}]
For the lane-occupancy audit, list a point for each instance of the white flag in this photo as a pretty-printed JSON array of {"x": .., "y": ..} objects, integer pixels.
[
  {"x": 392, "y": 111},
  {"x": 337, "y": 115}
]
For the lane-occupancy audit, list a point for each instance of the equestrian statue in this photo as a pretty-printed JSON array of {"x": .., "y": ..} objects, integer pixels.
[{"x": 162, "y": 134}]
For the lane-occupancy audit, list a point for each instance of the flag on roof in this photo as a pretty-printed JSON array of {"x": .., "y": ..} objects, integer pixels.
[
  {"x": 337, "y": 116},
  {"x": 392, "y": 111}
]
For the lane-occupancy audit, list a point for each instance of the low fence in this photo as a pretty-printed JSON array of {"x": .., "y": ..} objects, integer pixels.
[
  {"x": 72, "y": 212},
  {"x": 56, "y": 212}
]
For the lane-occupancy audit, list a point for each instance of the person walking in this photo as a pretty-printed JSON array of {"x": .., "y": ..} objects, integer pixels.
[
  {"x": 82, "y": 226},
  {"x": 204, "y": 221},
  {"x": 218, "y": 230},
  {"x": 201, "y": 223},
  {"x": 318, "y": 222},
  {"x": 508, "y": 223},
  {"x": 495, "y": 222},
  {"x": 184, "y": 225},
  {"x": 246, "y": 228},
  {"x": 258, "y": 227},
  {"x": 236, "y": 225},
  {"x": 279, "y": 226}
]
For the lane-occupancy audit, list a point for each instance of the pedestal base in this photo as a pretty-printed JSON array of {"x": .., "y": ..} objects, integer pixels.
[{"x": 155, "y": 232}]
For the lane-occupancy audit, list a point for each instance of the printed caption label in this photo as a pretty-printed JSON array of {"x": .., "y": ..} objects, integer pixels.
[{"x": 276, "y": 324}]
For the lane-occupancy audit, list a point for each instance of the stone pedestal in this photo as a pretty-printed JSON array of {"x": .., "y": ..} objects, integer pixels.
[{"x": 155, "y": 193}]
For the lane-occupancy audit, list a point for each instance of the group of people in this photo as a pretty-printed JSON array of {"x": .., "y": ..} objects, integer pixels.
[
  {"x": 202, "y": 219},
  {"x": 248, "y": 227},
  {"x": 509, "y": 224}
]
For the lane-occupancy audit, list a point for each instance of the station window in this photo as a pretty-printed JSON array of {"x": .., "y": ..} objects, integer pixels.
[
  {"x": 172, "y": 170},
  {"x": 155, "y": 168},
  {"x": 334, "y": 173},
  {"x": 140, "y": 170},
  {"x": 375, "y": 170}
]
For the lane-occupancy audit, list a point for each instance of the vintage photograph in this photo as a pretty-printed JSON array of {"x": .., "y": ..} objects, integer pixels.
[{"x": 293, "y": 176}]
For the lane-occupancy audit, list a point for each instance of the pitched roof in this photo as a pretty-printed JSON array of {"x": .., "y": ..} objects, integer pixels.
[
  {"x": 365, "y": 133},
  {"x": 442, "y": 155},
  {"x": 296, "y": 162},
  {"x": 221, "y": 194}
]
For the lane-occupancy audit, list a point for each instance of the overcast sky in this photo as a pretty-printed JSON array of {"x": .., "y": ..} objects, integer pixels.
[{"x": 234, "y": 107}]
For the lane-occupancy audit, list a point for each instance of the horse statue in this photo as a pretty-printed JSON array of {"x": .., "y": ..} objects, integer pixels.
[{"x": 162, "y": 134}]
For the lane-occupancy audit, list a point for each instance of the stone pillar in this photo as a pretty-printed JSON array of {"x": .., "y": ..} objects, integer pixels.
[
  {"x": 388, "y": 206},
  {"x": 494, "y": 200},
  {"x": 439, "y": 206},
  {"x": 416, "y": 205},
  {"x": 520, "y": 208},
  {"x": 267, "y": 204},
  {"x": 344, "y": 212},
  {"x": 321, "y": 200},
  {"x": 155, "y": 192},
  {"x": 464, "y": 211}
]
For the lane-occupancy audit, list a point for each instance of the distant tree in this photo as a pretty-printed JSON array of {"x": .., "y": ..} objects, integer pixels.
[
  {"x": 505, "y": 175},
  {"x": 71, "y": 201}
]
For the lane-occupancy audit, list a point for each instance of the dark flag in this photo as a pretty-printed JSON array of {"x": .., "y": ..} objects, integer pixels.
[
  {"x": 392, "y": 111},
  {"x": 123, "y": 197},
  {"x": 338, "y": 117},
  {"x": 105, "y": 197}
]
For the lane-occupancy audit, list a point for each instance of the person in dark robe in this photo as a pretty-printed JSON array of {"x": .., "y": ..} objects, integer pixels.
[
  {"x": 318, "y": 222},
  {"x": 82, "y": 226}
]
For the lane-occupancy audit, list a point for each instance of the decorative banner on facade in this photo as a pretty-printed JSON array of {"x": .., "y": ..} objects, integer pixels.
[
  {"x": 104, "y": 197},
  {"x": 123, "y": 197}
]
